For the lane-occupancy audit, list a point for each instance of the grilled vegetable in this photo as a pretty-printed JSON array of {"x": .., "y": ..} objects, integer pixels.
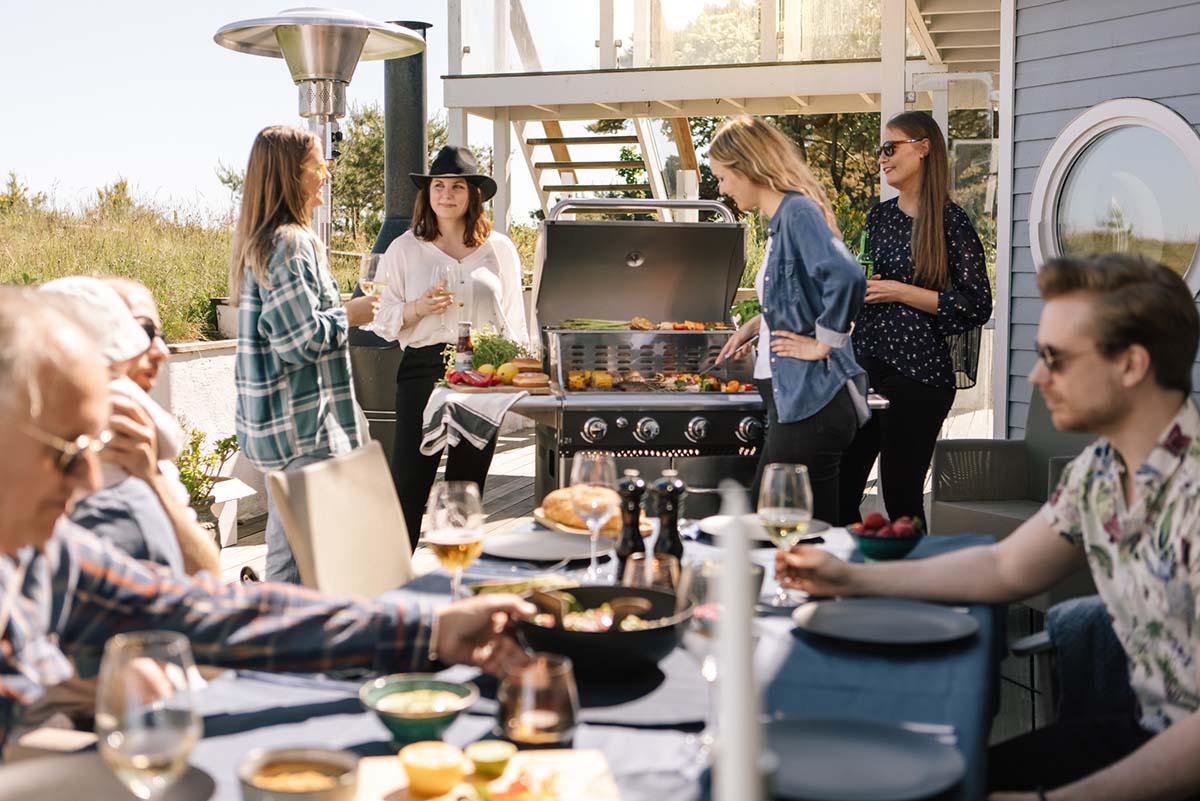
[
  {"x": 594, "y": 325},
  {"x": 641, "y": 324}
]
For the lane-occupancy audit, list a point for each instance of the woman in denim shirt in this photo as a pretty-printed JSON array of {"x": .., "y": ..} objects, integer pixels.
[{"x": 811, "y": 290}]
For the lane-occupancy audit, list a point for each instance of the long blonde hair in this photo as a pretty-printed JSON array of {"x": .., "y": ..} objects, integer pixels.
[
  {"x": 273, "y": 202},
  {"x": 765, "y": 156}
]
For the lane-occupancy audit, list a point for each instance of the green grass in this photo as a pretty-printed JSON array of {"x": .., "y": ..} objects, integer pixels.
[{"x": 183, "y": 264}]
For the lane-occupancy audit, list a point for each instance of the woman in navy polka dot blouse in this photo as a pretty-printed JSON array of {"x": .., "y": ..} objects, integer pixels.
[{"x": 929, "y": 281}]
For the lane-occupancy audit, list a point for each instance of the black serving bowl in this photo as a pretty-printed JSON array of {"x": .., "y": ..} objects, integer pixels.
[{"x": 612, "y": 653}]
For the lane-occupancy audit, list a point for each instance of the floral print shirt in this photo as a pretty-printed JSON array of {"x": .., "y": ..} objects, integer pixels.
[{"x": 1144, "y": 558}]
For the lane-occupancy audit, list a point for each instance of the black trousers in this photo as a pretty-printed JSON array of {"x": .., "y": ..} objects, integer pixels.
[
  {"x": 412, "y": 471},
  {"x": 902, "y": 436},
  {"x": 1062, "y": 753},
  {"x": 816, "y": 442}
]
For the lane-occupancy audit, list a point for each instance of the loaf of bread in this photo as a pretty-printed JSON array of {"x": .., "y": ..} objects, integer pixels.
[
  {"x": 558, "y": 506},
  {"x": 525, "y": 364},
  {"x": 530, "y": 380}
]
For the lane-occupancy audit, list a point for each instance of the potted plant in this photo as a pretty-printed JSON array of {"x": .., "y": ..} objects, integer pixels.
[{"x": 214, "y": 496}]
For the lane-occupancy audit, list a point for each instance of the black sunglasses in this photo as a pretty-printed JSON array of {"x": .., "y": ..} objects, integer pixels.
[
  {"x": 888, "y": 148},
  {"x": 1054, "y": 359},
  {"x": 152, "y": 330},
  {"x": 70, "y": 452}
]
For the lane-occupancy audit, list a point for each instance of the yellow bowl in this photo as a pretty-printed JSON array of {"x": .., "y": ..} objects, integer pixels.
[{"x": 433, "y": 767}]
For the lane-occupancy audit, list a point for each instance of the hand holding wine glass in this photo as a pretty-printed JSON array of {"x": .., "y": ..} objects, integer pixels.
[
  {"x": 145, "y": 722},
  {"x": 457, "y": 536},
  {"x": 594, "y": 497},
  {"x": 785, "y": 510}
]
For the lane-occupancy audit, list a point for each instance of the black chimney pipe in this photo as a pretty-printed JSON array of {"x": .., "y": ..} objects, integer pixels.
[
  {"x": 405, "y": 137},
  {"x": 404, "y": 150}
]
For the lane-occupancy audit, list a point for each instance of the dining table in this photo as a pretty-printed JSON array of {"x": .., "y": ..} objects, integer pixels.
[{"x": 647, "y": 725}]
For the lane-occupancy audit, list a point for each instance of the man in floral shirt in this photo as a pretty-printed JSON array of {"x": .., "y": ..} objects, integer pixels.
[{"x": 1116, "y": 343}]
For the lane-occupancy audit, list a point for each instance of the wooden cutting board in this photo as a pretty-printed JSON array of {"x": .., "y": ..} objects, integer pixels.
[
  {"x": 539, "y": 515},
  {"x": 574, "y": 775},
  {"x": 501, "y": 388}
]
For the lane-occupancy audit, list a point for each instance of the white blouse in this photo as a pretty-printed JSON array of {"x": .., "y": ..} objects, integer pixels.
[{"x": 486, "y": 286}]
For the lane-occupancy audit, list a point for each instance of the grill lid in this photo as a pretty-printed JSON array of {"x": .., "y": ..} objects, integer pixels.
[{"x": 616, "y": 269}]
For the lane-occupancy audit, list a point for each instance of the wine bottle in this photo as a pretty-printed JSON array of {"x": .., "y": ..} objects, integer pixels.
[
  {"x": 668, "y": 497},
  {"x": 864, "y": 255},
  {"x": 631, "y": 488},
  {"x": 462, "y": 353}
]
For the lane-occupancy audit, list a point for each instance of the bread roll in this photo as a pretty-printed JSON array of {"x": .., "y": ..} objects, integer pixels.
[
  {"x": 531, "y": 380},
  {"x": 558, "y": 507},
  {"x": 527, "y": 365}
]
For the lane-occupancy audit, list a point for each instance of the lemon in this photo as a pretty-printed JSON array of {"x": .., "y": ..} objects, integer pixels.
[
  {"x": 433, "y": 767},
  {"x": 507, "y": 372},
  {"x": 487, "y": 369},
  {"x": 490, "y": 756}
]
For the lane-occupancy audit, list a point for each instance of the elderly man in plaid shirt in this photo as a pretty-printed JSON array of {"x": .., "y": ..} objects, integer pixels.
[{"x": 63, "y": 592}]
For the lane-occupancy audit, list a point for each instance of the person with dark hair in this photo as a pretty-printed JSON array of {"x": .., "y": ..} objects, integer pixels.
[
  {"x": 450, "y": 266},
  {"x": 1116, "y": 346},
  {"x": 930, "y": 281},
  {"x": 295, "y": 397}
]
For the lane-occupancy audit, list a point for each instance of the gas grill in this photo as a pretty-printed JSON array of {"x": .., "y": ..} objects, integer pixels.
[{"x": 664, "y": 271}]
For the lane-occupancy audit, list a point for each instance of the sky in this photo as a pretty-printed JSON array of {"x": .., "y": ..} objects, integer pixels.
[{"x": 138, "y": 89}]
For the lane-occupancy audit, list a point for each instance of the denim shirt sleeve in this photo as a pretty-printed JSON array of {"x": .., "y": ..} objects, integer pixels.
[{"x": 843, "y": 285}]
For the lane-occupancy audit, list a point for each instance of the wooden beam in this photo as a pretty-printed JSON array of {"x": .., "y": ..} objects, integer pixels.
[
  {"x": 681, "y": 132},
  {"x": 916, "y": 25},
  {"x": 547, "y": 109},
  {"x": 962, "y": 54},
  {"x": 802, "y": 102},
  {"x": 673, "y": 106},
  {"x": 534, "y": 171},
  {"x": 868, "y": 98},
  {"x": 622, "y": 139},
  {"x": 597, "y": 187},
  {"x": 553, "y": 130},
  {"x": 587, "y": 165},
  {"x": 609, "y": 107},
  {"x": 954, "y": 23},
  {"x": 734, "y": 103},
  {"x": 949, "y": 41},
  {"x": 931, "y": 7}
]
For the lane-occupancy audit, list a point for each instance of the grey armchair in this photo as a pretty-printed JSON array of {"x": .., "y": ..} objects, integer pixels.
[{"x": 985, "y": 486}]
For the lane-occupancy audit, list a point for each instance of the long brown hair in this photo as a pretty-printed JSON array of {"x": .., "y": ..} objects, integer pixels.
[
  {"x": 476, "y": 227},
  {"x": 928, "y": 244},
  {"x": 765, "y": 156},
  {"x": 272, "y": 202}
]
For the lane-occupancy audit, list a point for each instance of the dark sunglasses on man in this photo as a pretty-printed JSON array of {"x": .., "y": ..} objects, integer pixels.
[
  {"x": 70, "y": 452},
  {"x": 152, "y": 330},
  {"x": 888, "y": 148}
]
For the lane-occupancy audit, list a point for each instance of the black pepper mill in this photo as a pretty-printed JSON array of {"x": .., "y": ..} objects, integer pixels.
[
  {"x": 631, "y": 488},
  {"x": 668, "y": 497}
]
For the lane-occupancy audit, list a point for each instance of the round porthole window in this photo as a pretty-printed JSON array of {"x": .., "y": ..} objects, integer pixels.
[{"x": 1122, "y": 177}]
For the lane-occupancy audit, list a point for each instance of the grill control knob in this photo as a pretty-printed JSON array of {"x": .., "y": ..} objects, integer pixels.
[
  {"x": 646, "y": 429},
  {"x": 750, "y": 430},
  {"x": 594, "y": 429},
  {"x": 697, "y": 429},
  {"x": 622, "y": 422}
]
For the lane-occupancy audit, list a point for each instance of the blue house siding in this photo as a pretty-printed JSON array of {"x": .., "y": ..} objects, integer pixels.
[{"x": 1070, "y": 55}]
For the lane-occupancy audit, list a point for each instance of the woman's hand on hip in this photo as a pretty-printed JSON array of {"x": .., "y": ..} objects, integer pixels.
[
  {"x": 361, "y": 310},
  {"x": 433, "y": 303},
  {"x": 798, "y": 346},
  {"x": 880, "y": 290}
]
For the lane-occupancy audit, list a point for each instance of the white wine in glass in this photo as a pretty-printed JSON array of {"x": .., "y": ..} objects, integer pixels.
[
  {"x": 456, "y": 538},
  {"x": 785, "y": 510},
  {"x": 594, "y": 498},
  {"x": 370, "y": 274},
  {"x": 145, "y": 721},
  {"x": 443, "y": 281}
]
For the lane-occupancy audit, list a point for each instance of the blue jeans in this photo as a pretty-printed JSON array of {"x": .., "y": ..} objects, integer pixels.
[{"x": 281, "y": 565}]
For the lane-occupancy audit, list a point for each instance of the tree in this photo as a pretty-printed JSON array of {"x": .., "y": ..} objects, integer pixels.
[
  {"x": 232, "y": 179},
  {"x": 358, "y": 192}
]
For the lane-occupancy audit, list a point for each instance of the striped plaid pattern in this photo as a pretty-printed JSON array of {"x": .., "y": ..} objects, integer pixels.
[
  {"x": 294, "y": 392},
  {"x": 69, "y": 598}
]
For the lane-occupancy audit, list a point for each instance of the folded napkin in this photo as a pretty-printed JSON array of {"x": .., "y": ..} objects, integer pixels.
[{"x": 452, "y": 417}]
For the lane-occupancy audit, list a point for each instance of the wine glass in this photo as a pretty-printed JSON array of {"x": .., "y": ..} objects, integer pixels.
[
  {"x": 698, "y": 586},
  {"x": 370, "y": 274},
  {"x": 594, "y": 497},
  {"x": 457, "y": 536},
  {"x": 785, "y": 509},
  {"x": 652, "y": 571},
  {"x": 443, "y": 280},
  {"x": 145, "y": 722},
  {"x": 539, "y": 704}
]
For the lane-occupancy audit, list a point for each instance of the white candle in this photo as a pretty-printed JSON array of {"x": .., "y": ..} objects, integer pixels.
[{"x": 740, "y": 735}]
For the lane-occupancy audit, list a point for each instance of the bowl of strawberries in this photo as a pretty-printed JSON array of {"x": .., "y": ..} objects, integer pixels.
[{"x": 880, "y": 539}]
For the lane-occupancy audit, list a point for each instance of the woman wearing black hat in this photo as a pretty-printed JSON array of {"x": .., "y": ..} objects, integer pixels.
[{"x": 449, "y": 267}]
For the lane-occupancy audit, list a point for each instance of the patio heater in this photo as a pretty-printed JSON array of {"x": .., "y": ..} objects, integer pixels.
[{"x": 321, "y": 46}]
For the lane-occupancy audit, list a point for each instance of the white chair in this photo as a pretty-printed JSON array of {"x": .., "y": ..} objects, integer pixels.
[{"x": 344, "y": 523}]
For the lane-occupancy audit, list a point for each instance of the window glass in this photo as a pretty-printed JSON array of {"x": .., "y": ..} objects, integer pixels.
[{"x": 1132, "y": 191}]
